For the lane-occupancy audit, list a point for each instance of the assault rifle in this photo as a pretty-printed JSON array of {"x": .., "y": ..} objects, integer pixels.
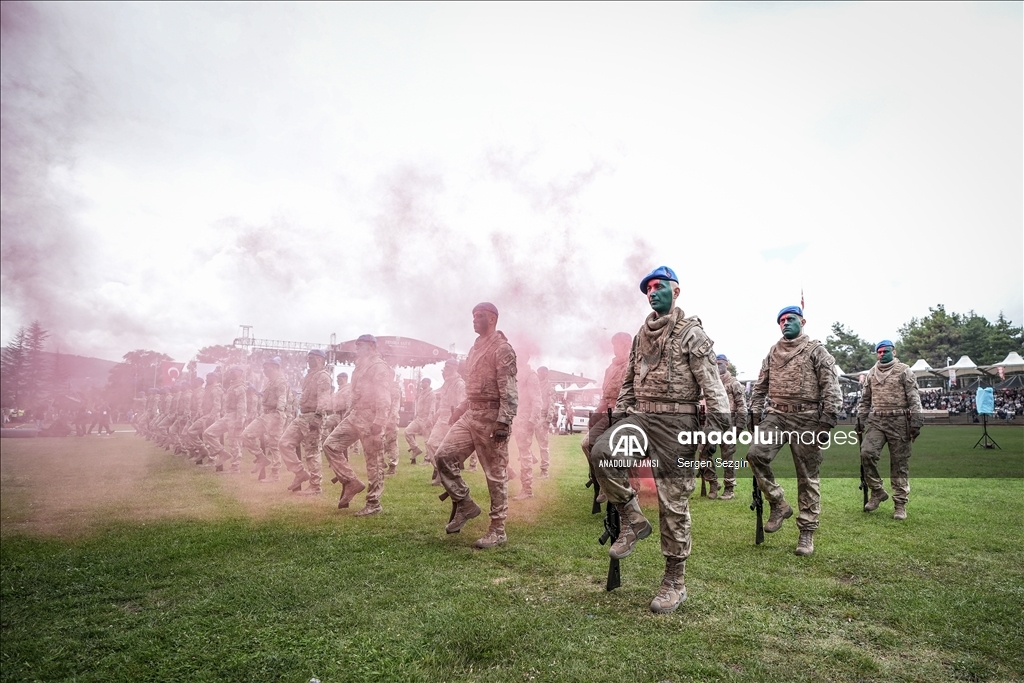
[
  {"x": 757, "y": 500},
  {"x": 612, "y": 523},
  {"x": 863, "y": 481}
]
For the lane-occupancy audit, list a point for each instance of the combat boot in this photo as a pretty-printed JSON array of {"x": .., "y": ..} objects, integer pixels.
[
  {"x": 900, "y": 512},
  {"x": 728, "y": 494},
  {"x": 261, "y": 464},
  {"x": 633, "y": 527},
  {"x": 311, "y": 491},
  {"x": 391, "y": 471},
  {"x": 780, "y": 513},
  {"x": 370, "y": 509},
  {"x": 713, "y": 493},
  {"x": 877, "y": 498},
  {"x": 495, "y": 536},
  {"x": 673, "y": 590},
  {"x": 524, "y": 494},
  {"x": 805, "y": 546},
  {"x": 464, "y": 511},
  {"x": 300, "y": 477},
  {"x": 349, "y": 489}
]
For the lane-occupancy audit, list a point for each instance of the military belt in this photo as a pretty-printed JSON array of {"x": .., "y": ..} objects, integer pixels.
[
  {"x": 889, "y": 413},
  {"x": 794, "y": 407},
  {"x": 654, "y": 407},
  {"x": 484, "y": 405}
]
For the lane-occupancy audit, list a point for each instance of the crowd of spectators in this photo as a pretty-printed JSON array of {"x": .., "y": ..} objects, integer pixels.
[{"x": 1008, "y": 403}]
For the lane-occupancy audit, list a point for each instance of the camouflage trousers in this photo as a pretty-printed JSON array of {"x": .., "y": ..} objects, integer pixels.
[
  {"x": 391, "y": 445},
  {"x": 877, "y": 433},
  {"x": 522, "y": 432},
  {"x": 230, "y": 428},
  {"x": 437, "y": 434},
  {"x": 474, "y": 431},
  {"x": 352, "y": 429},
  {"x": 194, "y": 436},
  {"x": 179, "y": 431},
  {"x": 798, "y": 430},
  {"x": 304, "y": 431},
  {"x": 726, "y": 451},
  {"x": 418, "y": 427},
  {"x": 330, "y": 423},
  {"x": 271, "y": 426},
  {"x": 674, "y": 483},
  {"x": 541, "y": 433}
]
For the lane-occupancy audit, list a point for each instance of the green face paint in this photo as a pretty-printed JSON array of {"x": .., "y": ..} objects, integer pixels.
[
  {"x": 791, "y": 325},
  {"x": 659, "y": 294},
  {"x": 884, "y": 354}
]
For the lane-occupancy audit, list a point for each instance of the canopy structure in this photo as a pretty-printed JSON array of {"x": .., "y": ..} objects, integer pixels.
[
  {"x": 1011, "y": 364},
  {"x": 568, "y": 381},
  {"x": 964, "y": 367},
  {"x": 922, "y": 369},
  {"x": 397, "y": 351}
]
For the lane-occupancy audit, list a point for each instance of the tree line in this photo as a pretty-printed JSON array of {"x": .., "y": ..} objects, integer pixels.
[{"x": 936, "y": 337}]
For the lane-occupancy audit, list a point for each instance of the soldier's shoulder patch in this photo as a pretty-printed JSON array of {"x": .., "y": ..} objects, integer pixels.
[{"x": 504, "y": 354}]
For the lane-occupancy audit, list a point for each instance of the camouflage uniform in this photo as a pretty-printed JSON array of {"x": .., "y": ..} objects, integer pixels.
[
  {"x": 660, "y": 394},
  {"x": 424, "y": 421},
  {"x": 738, "y": 408},
  {"x": 890, "y": 406},
  {"x": 371, "y": 407},
  {"x": 304, "y": 430},
  {"x": 799, "y": 377},
  {"x": 230, "y": 427},
  {"x": 391, "y": 428},
  {"x": 449, "y": 397},
  {"x": 269, "y": 426},
  {"x": 213, "y": 399},
  {"x": 542, "y": 430},
  {"x": 339, "y": 406},
  {"x": 138, "y": 413},
  {"x": 150, "y": 414},
  {"x": 525, "y": 424},
  {"x": 491, "y": 398},
  {"x": 610, "y": 388},
  {"x": 181, "y": 420}
]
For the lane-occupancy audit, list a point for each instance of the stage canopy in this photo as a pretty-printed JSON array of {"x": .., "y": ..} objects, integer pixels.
[
  {"x": 1014, "y": 382},
  {"x": 922, "y": 369},
  {"x": 964, "y": 367},
  {"x": 1011, "y": 364},
  {"x": 397, "y": 351}
]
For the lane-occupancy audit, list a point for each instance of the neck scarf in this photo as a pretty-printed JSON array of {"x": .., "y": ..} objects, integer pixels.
[{"x": 654, "y": 336}]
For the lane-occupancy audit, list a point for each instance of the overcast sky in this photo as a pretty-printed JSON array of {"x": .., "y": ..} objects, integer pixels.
[{"x": 172, "y": 171}]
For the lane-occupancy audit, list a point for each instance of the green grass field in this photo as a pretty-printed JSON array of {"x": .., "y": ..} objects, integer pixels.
[{"x": 122, "y": 563}]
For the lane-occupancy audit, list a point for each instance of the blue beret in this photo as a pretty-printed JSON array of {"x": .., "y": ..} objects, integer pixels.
[
  {"x": 317, "y": 352},
  {"x": 659, "y": 273},
  {"x": 276, "y": 360},
  {"x": 789, "y": 309},
  {"x": 884, "y": 342},
  {"x": 368, "y": 338},
  {"x": 721, "y": 356},
  {"x": 486, "y": 306}
]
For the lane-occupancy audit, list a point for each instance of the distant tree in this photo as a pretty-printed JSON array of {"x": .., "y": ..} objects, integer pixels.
[
  {"x": 36, "y": 365},
  {"x": 139, "y": 371},
  {"x": 58, "y": 381},
  {"x": 852, "y": 353},
  {"x": 1004, "y": 338},
  {"x": 935, "y": 338},
  {"x": 214, "y": 354},
  {"x": 13, "y": 368}
]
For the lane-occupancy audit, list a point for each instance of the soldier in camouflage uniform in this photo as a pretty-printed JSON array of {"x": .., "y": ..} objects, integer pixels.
[
  {"x": 482, "y": 422},
  {"x": 183, "y": 417},
  {"x": 391, "y": 428},
  {"x": 890, "y": 404},
  {"x": 152, "y": 409},
  {"x": 138, "y": 410},
  {"x": 339, "y": 406},
  {"x": 229, "y": 425},
  {"x": 670, "y": 363},
  {"x": 525, "y": 424},
  {"x": 738, "y": 408},
  {"x": 424, "y": 420},
  {"x": 167, "y": 413},
  {"x": 304, "y": 430},
  {"x": 799, "y": 378},
  {"x": 610, "y": 387},
  {"x": 269, "y": 425},
  {"x": 547, "y": 415},
  {"x": 366, "y": 421},
  {"x": 213, "y": 400},
  {"x": 449, "y": 397}
]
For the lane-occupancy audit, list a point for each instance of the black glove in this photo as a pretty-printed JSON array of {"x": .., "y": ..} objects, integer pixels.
[{"x": 500, "y": 433}]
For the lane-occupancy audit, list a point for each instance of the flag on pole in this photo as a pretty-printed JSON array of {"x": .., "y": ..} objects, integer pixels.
[
  {"x": 952, "y": 377},
  {"x": 170, "y": 372}
]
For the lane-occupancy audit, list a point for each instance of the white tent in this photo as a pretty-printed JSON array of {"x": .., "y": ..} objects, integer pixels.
[
  {"x": 922, "y": 369},
  {"x": 964, "y": 367},
  {"x": 1012, "y": 363}
]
